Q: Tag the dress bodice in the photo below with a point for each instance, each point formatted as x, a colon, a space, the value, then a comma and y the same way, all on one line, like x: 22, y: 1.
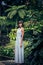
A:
x: 19, y: 33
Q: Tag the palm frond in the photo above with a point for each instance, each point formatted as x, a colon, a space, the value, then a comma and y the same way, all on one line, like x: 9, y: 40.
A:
x: 12, y: 8
x: 22, y: 13
x: 16, y: 9
x: 11, y: 14
x: 19, y: 7
x: 8, y: 10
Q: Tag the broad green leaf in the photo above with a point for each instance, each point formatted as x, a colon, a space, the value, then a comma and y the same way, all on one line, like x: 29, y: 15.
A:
x: 21, y: 13
x: 12, y: 13
x: 19, y: 7
x: 11, y: 9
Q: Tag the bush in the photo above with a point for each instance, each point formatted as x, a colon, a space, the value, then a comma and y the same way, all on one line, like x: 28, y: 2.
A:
x: 34, y: 49
x: 7, y: 52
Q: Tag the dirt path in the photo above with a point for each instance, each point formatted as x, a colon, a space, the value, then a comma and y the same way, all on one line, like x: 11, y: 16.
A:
x: 8, y: 62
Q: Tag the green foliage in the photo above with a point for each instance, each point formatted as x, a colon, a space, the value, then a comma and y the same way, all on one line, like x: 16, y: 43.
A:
x: 33, y: 27
x: 6, y: 52
x: 16, y: 11
x: 4, y: 39
x: 6, y: 22
x: 34, y: 48
x: 35, y: 15
x: 22, y: 13
x: 12, y: 34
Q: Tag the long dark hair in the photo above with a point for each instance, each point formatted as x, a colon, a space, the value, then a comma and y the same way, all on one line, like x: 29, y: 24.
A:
x: 21, y: 23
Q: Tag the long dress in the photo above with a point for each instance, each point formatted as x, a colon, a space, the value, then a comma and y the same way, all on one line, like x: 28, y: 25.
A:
x: 19, y: 51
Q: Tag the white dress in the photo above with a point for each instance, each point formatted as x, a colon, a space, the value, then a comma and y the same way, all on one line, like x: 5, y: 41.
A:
x: 19, y: 51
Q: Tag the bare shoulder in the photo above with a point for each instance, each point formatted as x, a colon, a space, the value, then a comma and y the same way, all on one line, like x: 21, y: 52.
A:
x: 22, y: 29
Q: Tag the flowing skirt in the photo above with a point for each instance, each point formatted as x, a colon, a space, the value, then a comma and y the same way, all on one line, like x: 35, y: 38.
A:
x: 19, y: 52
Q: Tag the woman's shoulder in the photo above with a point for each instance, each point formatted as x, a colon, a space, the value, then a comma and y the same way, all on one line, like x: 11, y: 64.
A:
x: 22, y: 29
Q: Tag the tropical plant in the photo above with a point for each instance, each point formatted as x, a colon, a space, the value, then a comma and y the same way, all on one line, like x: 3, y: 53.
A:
x: 34, y: 49
x: 12, y: 34
x: 16, y: 11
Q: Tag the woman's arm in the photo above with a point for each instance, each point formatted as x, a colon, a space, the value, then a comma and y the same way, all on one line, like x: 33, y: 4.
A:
x: 22, y: 30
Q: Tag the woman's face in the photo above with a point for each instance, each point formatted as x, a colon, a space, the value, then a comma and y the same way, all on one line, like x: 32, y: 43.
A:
x: 20, y: 24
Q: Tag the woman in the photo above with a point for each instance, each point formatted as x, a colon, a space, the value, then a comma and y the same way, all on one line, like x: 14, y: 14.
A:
x: 19, y: 45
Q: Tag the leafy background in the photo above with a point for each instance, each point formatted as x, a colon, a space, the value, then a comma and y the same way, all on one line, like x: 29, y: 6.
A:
x: 31, y: 12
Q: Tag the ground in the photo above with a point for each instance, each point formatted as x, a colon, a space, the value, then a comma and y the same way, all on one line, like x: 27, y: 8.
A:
x: 8, y: 62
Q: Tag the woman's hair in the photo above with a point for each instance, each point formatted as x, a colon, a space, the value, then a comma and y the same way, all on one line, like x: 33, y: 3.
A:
x: 20, y: 22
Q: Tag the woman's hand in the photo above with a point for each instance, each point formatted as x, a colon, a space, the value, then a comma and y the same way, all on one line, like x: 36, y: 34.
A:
x: 21, y: 44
